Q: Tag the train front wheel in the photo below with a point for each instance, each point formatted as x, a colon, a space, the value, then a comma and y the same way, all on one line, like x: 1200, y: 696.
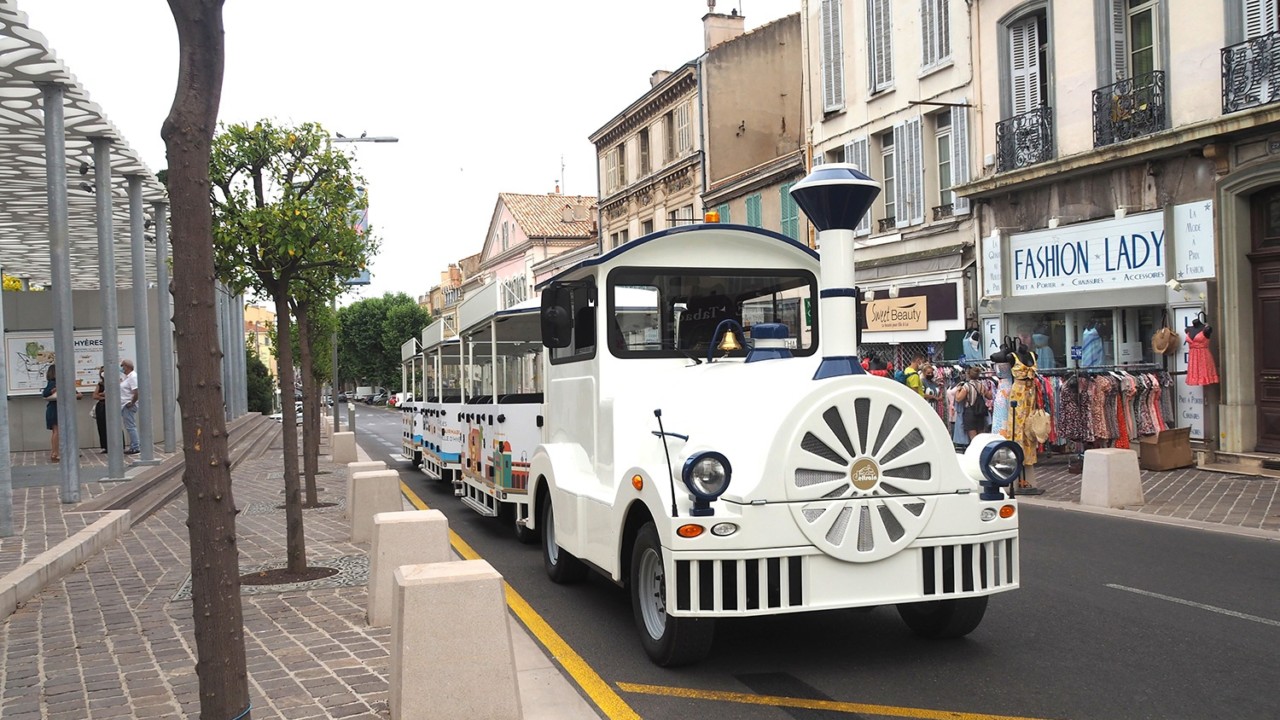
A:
x: 944, y: 618
x: 668, y: 640
x: 562, y: 567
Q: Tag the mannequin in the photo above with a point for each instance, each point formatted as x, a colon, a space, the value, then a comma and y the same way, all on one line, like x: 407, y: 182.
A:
x: 1045, y: 358
x: 971, y: 344
x: 1091, y: 341
x: 1201, y: 368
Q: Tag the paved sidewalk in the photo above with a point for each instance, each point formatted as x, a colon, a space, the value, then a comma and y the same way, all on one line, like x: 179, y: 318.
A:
x: 114, y: 638
x: 1245, y: 504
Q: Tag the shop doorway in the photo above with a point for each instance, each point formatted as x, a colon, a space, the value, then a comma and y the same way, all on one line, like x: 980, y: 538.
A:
x: 1265, y: 259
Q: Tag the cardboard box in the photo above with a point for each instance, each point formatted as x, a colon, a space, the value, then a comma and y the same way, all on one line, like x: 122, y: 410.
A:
x: 1166, y: 450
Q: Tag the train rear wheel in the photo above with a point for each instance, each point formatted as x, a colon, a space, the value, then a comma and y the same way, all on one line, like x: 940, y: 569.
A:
x: 944, y: 618
x: 668, y: 640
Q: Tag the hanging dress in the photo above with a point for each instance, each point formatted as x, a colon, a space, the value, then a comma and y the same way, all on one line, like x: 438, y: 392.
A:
x: 1091, y: 350
x: 1023, y: 391
x: 1201, y: 370
x: 1000, y: 405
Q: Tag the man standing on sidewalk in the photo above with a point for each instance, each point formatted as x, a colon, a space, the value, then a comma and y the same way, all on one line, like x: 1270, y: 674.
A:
x: 129, y: 404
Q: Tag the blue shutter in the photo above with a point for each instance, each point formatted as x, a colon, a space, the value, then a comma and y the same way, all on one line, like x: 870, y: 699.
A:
x: 723, y: 209
x: 753, y: 211
x: 790, y: 214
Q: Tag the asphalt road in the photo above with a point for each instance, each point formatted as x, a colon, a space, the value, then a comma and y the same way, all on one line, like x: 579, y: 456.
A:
x: 1115, y: 619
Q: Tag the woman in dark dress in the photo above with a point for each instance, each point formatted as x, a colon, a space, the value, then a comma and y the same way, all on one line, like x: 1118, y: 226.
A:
x: 50, y: 392
x: 100, y: 408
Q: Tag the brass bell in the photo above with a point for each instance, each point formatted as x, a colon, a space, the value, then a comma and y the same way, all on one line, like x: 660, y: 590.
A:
x: 729, y: 342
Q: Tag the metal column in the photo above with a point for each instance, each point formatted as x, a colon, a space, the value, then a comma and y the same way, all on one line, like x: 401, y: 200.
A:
x: 164, y: 325
x: 333, y: 394
x: 60, y: 260
x: 220, y: 313
x: 6, y: 468
x: 141, y: 323
x: 110, y: 308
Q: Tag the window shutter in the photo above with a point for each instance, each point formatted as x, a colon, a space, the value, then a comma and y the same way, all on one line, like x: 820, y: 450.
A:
x: 832, y: 56
x: 929, y: 32
x: 1024, y: 65
x: 901, y: 191
x: 723, y: 209
x: 858, y: 153
x: 960, y: 155
x: 914, y: 166
x: 879, y: 50
x: 753, y: 211
x: 1119, y: 43
x: 790, y: 213
x: 1259, y: 18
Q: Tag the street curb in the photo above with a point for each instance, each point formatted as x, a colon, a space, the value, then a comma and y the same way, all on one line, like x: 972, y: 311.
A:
x: 53, y: 564
x: 1256, y: 533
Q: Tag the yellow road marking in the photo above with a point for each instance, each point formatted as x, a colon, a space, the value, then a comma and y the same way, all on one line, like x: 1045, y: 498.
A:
x: 832, y: 705
x: 600, y: 692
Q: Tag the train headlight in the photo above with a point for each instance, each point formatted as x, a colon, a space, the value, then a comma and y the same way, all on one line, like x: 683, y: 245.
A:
x: 1001, y: 463
x: 707, y: 475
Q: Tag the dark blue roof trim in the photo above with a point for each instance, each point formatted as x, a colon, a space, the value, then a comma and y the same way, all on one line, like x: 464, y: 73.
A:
x: 627, y: 247
x: 837, y: 366
x: 838, y: 292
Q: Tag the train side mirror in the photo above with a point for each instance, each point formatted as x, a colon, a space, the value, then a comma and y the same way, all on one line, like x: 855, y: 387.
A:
x: 557, y: 322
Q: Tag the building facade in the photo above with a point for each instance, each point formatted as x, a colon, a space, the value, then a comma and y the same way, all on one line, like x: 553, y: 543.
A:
x: 1129, y: 179
x: 890, y: 90
x: 724, y: 132
x: 525, y: 230
x: 259, y: 326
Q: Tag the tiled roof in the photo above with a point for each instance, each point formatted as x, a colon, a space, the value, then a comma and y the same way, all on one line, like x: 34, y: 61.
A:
x: 540, y: 216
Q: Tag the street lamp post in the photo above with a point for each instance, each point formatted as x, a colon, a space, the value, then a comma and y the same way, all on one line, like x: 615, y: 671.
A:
x: 333, y: 392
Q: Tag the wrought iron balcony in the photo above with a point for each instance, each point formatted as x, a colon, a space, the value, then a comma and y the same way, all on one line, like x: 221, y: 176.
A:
x: 1251, y: 73
x: 1128, y: 109
x: 1024, y: 139
x: 888, y: 223
x: 942, y: 212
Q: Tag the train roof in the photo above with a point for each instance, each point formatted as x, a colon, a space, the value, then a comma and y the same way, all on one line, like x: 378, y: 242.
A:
x: 641, y: 247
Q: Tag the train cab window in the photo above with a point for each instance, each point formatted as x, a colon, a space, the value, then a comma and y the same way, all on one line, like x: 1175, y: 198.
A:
x: 674, y: 312
x: 577, y: 301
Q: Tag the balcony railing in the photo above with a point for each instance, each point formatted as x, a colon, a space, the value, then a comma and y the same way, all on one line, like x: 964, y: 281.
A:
x: 942, y: 212
x: 1251, y: 73
x: 1128, y: 109
x: 888, y: 223
x: 1024, y: 139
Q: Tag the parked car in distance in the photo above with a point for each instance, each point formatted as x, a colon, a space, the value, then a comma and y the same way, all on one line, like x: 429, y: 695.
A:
x: 378, y: 399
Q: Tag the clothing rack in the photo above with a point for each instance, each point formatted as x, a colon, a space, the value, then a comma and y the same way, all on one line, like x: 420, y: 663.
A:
x: 1132, y: 367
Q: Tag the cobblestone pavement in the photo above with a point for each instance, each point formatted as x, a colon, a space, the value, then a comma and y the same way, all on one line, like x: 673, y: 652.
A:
x: 109, y: 640
x: 1202, y: 496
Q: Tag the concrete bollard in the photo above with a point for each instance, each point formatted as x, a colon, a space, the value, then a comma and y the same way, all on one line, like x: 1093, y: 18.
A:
x: 352, y: 469
x: 344, y: 447
x: 451, y: 664
x: 1111, y: 478
x: 372, y: 493
x: 409, y: 537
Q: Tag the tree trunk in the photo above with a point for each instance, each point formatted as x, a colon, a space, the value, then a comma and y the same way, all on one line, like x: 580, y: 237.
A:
x: 211, y: 512
x: 296, y: 541
x: 311, y: 403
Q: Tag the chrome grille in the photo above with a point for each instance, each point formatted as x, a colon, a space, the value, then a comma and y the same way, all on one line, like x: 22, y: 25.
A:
x: 973, y: 567
x: 742, y: 586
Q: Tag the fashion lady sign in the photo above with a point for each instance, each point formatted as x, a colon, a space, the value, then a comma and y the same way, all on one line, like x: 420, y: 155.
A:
x: 1120, y: 252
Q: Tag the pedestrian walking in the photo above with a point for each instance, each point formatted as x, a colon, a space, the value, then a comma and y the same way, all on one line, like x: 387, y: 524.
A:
x: 129, y: 405
x: 100, y: 407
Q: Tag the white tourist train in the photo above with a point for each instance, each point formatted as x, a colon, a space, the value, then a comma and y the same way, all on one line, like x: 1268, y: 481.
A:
x: 695, y: 438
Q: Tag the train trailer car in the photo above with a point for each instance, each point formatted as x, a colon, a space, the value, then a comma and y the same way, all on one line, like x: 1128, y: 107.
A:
x: 502, y: 415
x: 410, y: 405
x: 707, y: 448
x: 442, y: 433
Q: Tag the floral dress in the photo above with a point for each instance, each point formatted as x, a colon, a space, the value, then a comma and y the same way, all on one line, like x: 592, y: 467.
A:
x: 1023, y: 392
x: 1000, y: 405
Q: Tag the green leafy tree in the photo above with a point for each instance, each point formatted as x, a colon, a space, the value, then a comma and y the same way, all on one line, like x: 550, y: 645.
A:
x: 211, y: 511
x: 261, y: 386
x: 284, y: 201
x: 371, y: 333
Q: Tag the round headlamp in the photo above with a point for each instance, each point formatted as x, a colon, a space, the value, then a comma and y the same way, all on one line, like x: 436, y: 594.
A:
x: 707, y: 475
x: 1001, y: 462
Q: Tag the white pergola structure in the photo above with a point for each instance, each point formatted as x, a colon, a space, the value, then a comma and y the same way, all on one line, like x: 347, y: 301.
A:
x: 73, y: 216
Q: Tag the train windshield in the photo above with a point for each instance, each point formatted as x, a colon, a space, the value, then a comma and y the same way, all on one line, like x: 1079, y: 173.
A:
x: 673, y: 312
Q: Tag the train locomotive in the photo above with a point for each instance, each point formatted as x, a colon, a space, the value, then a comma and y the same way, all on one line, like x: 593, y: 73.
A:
x: 700, y: 443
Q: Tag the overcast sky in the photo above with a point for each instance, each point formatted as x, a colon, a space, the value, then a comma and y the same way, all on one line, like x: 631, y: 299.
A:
x: 486, y: 97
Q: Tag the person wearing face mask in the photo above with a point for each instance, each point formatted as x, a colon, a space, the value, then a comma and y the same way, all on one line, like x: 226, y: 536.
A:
x: 129, y: 404
x: 100, y: 407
